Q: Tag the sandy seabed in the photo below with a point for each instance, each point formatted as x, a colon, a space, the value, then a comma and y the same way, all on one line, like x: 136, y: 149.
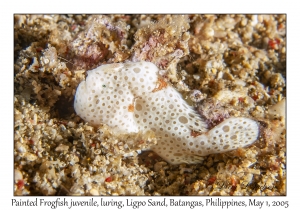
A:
x: 236, y: 62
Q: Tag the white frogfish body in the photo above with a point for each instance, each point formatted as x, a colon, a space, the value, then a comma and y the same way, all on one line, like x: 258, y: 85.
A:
x: 132, y: 97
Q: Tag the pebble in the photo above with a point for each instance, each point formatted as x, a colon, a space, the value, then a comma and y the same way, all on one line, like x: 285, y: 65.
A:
x: 18, y: 175
x: 94, y: 192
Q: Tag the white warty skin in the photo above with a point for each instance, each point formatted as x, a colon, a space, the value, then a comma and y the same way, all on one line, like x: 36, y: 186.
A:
x: 132, y: 97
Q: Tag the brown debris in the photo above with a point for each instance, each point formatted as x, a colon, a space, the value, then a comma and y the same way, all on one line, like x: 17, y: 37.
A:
x: 130, y: 108
x: 161, y: 85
